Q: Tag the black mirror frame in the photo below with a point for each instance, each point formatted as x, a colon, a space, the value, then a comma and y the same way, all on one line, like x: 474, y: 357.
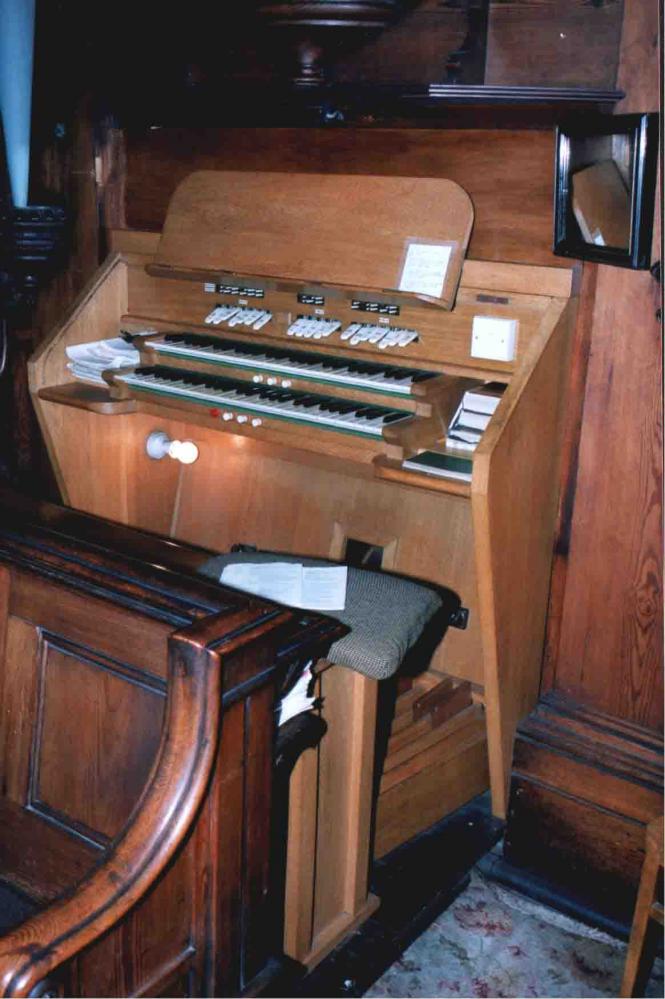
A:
x: 567, y: 239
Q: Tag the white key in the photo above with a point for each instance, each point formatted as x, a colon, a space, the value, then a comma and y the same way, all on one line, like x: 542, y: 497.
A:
x: 350, y: 331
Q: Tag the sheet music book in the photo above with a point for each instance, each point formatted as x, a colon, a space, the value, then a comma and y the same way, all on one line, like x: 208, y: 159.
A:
x: 310, y: 587
x: 88, y: 360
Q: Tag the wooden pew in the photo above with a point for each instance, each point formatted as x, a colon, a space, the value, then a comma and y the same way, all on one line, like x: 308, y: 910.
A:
x: 136, y: 762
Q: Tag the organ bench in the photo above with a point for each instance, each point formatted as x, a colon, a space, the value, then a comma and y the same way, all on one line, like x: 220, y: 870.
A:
x: 303, y: 448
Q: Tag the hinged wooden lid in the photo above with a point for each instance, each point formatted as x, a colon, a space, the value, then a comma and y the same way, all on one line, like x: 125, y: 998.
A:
x: 397, y: 235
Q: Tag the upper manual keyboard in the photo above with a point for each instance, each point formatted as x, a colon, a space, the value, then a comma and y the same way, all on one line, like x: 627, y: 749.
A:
x: 366, y: 375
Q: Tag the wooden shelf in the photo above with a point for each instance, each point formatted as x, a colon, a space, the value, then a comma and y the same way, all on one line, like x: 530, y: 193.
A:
x: 91, y: 397
x: 388, y: 468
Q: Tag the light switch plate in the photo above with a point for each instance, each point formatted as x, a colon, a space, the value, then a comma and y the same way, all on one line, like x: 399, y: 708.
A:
x: 494, y: 339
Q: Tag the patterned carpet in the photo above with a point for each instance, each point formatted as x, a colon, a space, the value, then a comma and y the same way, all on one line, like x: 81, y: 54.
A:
x: 493, y: 942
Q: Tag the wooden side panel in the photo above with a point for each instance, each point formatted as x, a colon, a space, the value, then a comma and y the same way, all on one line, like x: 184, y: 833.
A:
x: 152, y: 949
x: 93, y: 316
x: 514, y: 497
x: 92, y: 774
x: 413, y: 805
x: 20, y: 673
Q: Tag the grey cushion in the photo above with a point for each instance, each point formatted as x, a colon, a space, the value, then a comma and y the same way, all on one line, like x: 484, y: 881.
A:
x: 386, y: 614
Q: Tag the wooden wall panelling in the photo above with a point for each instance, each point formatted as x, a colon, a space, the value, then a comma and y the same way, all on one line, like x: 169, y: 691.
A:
x: 585, y: 798
x: 617, y: 598
x: 565, y: 43
x: 513, y: 496
x: 508, y: 174
x: 414, y: 49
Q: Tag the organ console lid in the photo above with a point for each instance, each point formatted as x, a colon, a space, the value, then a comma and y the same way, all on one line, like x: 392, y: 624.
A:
x: 401, y: 236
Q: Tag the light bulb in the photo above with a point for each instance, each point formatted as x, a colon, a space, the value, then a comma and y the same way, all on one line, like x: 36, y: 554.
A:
x: 186, y: 452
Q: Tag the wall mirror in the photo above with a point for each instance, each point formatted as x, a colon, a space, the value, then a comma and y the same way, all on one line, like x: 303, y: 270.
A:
x: 605, y: 183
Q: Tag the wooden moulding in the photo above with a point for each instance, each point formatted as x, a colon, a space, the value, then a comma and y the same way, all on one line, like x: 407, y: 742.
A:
x: 290, y: 225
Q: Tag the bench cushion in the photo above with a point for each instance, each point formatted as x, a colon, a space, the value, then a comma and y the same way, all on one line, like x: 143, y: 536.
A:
x: 386, y: 614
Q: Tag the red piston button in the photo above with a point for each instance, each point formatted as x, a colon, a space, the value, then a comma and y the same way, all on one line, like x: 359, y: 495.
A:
x: 215, y: 412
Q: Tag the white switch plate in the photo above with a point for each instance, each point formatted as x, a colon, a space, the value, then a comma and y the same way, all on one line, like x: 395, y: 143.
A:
x: 493, y: 338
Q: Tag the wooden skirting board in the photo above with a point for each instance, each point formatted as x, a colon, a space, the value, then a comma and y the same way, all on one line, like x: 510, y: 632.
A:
x: 585, y: 786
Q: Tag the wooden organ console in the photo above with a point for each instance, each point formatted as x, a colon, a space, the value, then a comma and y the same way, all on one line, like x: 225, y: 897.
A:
x: 310, y: 333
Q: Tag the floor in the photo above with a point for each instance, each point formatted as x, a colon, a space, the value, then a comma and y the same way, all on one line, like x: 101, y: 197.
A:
x: 446, y: 929
x: 494, y: 942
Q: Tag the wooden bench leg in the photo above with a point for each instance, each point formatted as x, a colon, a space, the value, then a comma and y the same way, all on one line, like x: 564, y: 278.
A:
x: 329, y: 822
x: 644, y: 931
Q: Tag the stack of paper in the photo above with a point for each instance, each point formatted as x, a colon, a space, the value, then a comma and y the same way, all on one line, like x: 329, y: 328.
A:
x: 472, y: 416
x: 88, y: 360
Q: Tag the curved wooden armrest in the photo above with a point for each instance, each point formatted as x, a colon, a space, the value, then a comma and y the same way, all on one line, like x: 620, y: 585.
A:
x: 154, y: 830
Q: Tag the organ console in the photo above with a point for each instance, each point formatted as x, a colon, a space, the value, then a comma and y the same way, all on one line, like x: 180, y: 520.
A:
x: 311, y: 334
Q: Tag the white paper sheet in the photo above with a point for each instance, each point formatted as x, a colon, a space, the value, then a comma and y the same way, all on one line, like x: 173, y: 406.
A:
x: 425, y: 268
x: 298, y: 699
x: 310, y: 587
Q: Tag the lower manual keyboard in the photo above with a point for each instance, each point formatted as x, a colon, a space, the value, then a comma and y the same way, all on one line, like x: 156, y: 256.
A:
x: 233, y: 394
